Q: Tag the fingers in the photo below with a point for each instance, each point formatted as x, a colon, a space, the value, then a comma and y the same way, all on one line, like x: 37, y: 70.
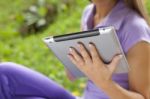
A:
x: 94, y: 53
x: 75, y: 57
x: 115, y: 62
x: 84, y: 53
x: 84, y: 57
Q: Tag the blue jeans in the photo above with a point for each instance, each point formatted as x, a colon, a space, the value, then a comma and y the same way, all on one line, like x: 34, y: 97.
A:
x: 19, y: 82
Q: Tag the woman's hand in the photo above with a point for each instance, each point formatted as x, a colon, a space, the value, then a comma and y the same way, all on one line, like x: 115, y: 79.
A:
x: 91, y: 64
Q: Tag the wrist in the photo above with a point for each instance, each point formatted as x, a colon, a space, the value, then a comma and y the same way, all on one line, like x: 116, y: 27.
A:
x: 106, y: 85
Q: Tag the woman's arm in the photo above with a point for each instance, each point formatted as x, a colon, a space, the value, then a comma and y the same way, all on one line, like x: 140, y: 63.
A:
x: 138, y: 58
x: 100, y: 73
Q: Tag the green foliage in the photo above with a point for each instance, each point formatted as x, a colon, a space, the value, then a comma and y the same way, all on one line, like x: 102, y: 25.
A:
x: 31, y: 51
x: 148, y: 6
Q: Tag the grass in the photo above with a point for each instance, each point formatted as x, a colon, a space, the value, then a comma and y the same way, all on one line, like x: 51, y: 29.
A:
x: 31, y: 51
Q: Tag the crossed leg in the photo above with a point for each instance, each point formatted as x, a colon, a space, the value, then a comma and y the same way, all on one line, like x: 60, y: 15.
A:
x: 19, y: 82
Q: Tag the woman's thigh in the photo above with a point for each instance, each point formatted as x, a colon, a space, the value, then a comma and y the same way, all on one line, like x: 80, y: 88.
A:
x: 17, y: 80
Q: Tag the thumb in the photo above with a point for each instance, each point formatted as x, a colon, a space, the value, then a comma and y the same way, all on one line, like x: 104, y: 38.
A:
x: 115, y: 62
x: 70, y: 76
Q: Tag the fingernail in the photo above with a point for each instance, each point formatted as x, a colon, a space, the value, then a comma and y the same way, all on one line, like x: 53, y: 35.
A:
x: 79, y: 45
x: 70, y: 49
x: 90, y: 45
x: 120, y: 56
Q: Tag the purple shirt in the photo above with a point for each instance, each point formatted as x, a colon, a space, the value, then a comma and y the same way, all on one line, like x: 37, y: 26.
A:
x: 131, y: 28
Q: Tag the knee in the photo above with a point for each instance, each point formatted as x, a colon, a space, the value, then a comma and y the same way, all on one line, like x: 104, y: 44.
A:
x: 7, y: 67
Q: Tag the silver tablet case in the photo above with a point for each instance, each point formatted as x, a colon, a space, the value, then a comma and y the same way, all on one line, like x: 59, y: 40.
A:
x: 106, y: 42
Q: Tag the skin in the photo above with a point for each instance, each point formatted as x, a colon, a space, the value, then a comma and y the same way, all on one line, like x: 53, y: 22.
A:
x: 91, y: 64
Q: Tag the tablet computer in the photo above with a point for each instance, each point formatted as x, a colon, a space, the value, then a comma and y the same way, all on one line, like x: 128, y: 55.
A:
x: 104, y: 38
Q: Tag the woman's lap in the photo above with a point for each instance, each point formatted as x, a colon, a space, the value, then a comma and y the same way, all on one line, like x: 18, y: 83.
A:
x: 18, y: 81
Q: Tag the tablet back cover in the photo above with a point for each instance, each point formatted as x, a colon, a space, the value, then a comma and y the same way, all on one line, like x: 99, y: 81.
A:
x: 106, y: 42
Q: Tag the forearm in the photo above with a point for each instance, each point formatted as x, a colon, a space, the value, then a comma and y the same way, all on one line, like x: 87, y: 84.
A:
x: 115, y: 91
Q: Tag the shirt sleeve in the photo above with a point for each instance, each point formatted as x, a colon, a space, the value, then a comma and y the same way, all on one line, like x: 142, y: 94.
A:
x: 135, y: 30
x: 84, y: 16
